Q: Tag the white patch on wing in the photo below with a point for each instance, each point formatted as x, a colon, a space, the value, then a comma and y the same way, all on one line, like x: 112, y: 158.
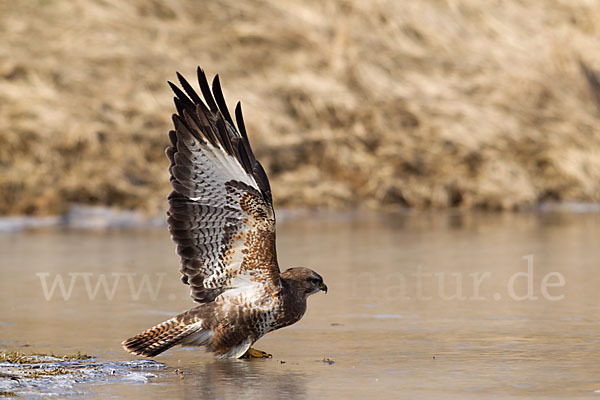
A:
x: 218, y: 157
x: 215, y: 167
x: 245, y: 292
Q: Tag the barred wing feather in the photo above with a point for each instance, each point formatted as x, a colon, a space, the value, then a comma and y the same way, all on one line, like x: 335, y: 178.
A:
x: 221, y: 213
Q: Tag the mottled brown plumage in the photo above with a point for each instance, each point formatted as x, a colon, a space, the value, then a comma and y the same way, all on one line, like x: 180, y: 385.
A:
x: 221, y: 218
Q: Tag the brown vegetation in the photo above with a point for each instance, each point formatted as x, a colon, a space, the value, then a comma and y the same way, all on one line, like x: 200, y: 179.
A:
x: 423, y: 103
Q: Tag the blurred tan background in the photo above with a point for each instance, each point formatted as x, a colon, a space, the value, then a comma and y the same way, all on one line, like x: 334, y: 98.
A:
x: 421, y: 103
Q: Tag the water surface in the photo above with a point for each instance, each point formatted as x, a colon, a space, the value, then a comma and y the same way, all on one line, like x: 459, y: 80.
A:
x: 419, y: 306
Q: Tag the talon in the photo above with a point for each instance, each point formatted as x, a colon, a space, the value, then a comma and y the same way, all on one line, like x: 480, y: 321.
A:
x: 253, y: 353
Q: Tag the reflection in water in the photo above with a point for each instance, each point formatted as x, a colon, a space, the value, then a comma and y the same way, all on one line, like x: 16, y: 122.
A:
x: 239, y: 379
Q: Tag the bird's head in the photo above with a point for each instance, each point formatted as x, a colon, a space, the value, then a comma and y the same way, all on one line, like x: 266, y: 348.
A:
x: 304, y: 280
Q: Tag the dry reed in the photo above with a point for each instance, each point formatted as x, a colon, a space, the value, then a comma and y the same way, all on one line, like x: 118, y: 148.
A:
x: 422, y: 103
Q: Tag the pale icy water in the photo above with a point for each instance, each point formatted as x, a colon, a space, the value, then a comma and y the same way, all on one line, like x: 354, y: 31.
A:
x: 421, y: 306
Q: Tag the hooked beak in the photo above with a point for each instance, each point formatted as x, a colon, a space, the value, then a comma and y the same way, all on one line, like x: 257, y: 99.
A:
x: 322, y: 287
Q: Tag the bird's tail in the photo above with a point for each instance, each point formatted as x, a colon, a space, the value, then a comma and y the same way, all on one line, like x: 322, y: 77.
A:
x: 182, y: 329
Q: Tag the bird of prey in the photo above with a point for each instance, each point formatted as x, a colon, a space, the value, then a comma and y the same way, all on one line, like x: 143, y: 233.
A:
x: 222, y: 220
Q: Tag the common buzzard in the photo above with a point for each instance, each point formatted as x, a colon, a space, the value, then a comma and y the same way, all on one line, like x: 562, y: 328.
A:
x: 221, y: 218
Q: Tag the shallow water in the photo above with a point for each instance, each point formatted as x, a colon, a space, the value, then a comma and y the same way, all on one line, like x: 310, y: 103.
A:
x: 419, y: 306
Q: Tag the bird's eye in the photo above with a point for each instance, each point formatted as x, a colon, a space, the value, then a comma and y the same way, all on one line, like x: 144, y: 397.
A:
x: 314, y: 281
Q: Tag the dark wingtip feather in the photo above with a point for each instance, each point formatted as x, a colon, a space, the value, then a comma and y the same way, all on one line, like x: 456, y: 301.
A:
x: 178, y: 105
x: 205, y: 89
x: 182, y: 101
x: 207, y: 118
x: 202, y: 112
x: 188, y: 89
x: 242, y: 155
x: 182, y: 96
x: 193, y: 125
x: 263, y: 181
x: 218, y: 92
x: 173, y: 138
x: 240, y: 119
x: 224, y: 135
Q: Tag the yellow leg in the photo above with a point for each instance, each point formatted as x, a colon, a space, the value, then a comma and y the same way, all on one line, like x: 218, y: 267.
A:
x: 253, y: 353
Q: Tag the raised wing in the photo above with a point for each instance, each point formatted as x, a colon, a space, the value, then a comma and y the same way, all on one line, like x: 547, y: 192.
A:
x: 221, y: 213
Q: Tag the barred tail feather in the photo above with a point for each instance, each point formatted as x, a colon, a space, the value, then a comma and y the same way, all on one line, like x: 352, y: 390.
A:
x: 163, y: 336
